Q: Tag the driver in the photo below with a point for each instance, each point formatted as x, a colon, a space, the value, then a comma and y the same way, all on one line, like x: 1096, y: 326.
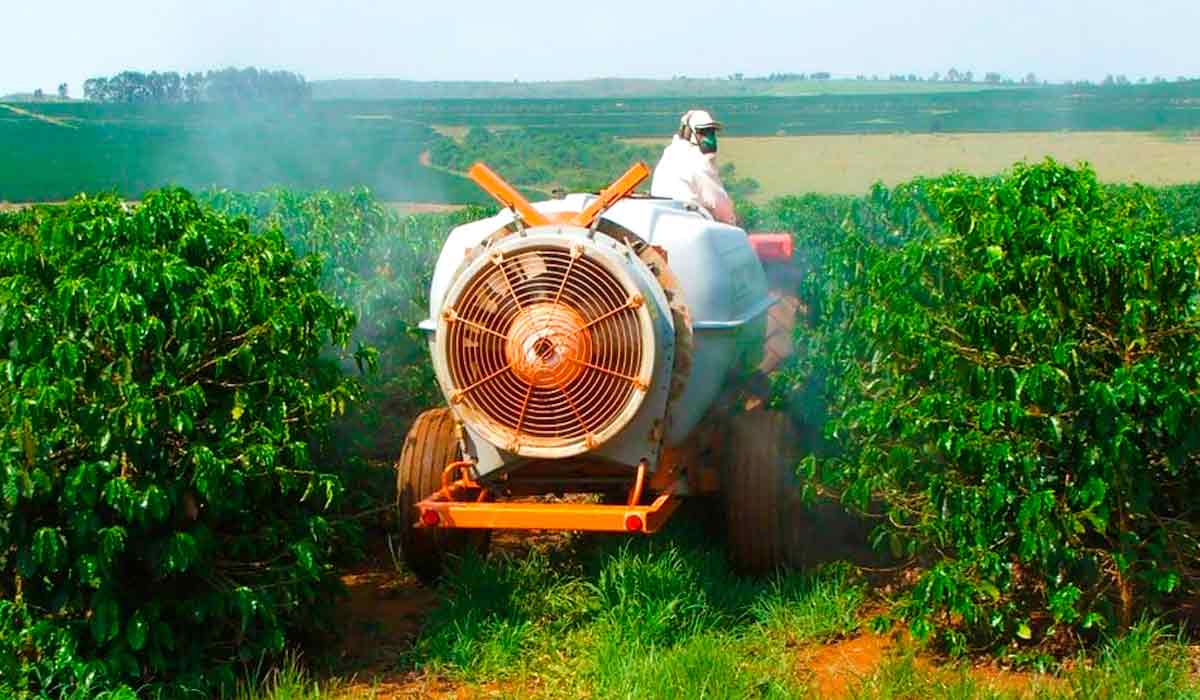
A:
x: 687, y: 170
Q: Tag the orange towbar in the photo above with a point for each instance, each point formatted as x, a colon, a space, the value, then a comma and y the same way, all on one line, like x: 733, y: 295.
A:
x: 443, y: 510
x: 548, y: 516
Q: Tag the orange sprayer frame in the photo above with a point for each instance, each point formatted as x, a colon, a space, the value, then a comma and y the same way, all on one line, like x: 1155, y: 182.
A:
x: 612, y: 194
x: 550, y: 516
x: 441, y: 509
x: 508, y: 195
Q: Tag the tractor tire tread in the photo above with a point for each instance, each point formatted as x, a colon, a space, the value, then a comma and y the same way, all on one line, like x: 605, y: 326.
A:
x: 429, y: 447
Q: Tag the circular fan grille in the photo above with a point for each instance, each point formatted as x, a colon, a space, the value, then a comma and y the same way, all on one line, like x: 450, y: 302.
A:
x: 545, y: 349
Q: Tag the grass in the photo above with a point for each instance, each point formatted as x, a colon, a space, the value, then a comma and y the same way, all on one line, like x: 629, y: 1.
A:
x: 289, y: 681
x: 1148, y: 662
x: 664, y: 618
x: 660, y: 617
x: 850, y: 164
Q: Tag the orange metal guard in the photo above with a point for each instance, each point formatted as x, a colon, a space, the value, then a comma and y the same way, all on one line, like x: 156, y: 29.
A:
x: 548, y: 516
x: 441, y: 510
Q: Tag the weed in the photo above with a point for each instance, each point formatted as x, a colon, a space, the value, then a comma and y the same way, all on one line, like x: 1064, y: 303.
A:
x: 641, y: 618
x: 709, y: 665
x: 653, y: 597
x: 810, y: 607
x: 288, y: 681
x: 491, y: 612
x: 1148, y: 662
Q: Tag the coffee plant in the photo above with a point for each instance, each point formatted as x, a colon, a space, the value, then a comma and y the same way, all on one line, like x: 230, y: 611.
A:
x: 1011, y: 370
x: 165, y: 396
x: 380, y: 265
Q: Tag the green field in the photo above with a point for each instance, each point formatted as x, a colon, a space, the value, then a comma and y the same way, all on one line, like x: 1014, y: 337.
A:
x: 49, y: 151
x: 621, y: 88
x: 845, y: 164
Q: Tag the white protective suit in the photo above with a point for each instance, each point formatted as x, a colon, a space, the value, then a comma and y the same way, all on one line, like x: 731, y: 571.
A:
x: 686, y: 174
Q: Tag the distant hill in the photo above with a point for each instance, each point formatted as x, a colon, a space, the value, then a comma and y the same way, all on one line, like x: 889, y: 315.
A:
x: 605, y: 88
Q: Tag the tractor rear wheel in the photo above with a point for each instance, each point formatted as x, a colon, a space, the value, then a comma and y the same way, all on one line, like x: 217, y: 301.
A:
x: 428, y: 448
x: 768, y: 525
x: 761, y: 492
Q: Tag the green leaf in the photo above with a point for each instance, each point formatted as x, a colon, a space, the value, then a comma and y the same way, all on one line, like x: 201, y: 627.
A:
x: 180, y: 552
x: 1166, y: 582
x: 48, y: 549
x: 136, y: 630
x: 1024, y: 632
x: 119, y: 496
x: 155, y: 504
x: 112, y: 544
x: 104, y: 622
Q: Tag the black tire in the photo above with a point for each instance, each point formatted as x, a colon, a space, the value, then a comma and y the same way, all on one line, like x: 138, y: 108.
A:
x: 759, y: 490
x: 428, y: 448
x: 768, y: 526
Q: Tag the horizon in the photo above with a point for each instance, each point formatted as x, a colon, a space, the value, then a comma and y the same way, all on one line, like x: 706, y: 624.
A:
x: 532, y: 41
x: 1008, y: 80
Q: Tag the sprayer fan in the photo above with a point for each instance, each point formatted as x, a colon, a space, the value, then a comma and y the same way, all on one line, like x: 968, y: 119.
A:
x: 549, y: 349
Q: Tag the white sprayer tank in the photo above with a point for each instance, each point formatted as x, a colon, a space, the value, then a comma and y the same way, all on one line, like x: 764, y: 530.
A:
x: 514, y: 283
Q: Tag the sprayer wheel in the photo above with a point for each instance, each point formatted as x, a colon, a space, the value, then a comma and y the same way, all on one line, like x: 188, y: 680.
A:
x: 428, y: 448
x: 761, y: 492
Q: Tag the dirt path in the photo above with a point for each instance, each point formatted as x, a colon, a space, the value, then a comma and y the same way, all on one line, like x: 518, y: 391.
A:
x: 381, y: 619
x: 407, y: 208
x: 404, y: 208
x: 836, y: 670
x: 40, y: 117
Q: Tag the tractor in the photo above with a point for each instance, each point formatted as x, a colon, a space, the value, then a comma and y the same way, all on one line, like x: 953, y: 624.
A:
x: 609, y: 344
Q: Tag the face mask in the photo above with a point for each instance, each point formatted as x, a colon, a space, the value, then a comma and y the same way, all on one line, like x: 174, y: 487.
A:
x: 708, y: 142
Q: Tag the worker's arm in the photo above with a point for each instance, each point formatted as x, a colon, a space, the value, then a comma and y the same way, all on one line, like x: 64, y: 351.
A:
x: 723, y: 209
x: 712, y: 194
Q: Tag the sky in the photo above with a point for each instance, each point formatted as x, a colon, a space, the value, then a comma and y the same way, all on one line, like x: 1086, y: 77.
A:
x: 47, y: 42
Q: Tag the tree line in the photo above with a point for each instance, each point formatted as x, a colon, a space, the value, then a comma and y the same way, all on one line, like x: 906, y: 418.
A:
x: 226, y: 85
x: 955, y: 76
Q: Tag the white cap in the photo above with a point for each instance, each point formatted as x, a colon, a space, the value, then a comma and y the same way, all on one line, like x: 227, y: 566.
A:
x: 697, y: 119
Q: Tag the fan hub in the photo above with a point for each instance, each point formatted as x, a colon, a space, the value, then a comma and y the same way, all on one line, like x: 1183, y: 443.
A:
x: 548, y: 345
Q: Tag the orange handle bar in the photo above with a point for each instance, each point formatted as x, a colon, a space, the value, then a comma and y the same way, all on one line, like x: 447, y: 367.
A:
x: 506, y: 194
x: 612, y: 194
